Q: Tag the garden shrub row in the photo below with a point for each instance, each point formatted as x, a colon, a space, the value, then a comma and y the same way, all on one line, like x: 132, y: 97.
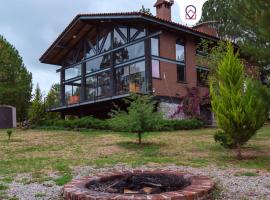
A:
x: 82, y: 123
x: 98, y: 124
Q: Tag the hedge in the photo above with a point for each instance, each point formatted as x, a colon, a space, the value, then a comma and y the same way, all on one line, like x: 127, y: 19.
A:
x: 82, y: 123
x: 94, y: 123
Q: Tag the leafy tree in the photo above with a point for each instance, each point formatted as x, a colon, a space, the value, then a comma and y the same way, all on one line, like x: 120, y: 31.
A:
x: 15, y: 80
x: 238, y: 101
x: 145, y: 10
x: 247, y: 23
x: 53, y: 100
x: 37, y: 109
x: 139, y: 117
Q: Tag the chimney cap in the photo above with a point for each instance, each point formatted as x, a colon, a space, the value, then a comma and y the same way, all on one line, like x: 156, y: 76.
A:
x: 160, y: 2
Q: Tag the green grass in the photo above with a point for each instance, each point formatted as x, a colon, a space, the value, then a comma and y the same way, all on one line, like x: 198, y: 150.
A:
x: 63, y: 180
x: 3, y: 187
x: 39, y: 195
x: 43, y: 151
x: 249, y: 174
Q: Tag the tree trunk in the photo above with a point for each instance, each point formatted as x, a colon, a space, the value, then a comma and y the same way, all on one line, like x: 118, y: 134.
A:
x: 239, y: 153
x: 140, y: 138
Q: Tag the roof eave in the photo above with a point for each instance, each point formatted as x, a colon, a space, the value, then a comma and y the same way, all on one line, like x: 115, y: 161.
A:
x: 145, y: 17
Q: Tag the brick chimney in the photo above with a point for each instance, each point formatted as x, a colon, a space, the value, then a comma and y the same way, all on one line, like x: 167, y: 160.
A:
x: 164, y: 9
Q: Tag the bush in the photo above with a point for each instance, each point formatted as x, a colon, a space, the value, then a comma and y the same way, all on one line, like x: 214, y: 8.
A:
x: 9, y: 133
x: 171, y: 125
x: 224, y: 140
x: 94, y: 123
x: 82, y: 123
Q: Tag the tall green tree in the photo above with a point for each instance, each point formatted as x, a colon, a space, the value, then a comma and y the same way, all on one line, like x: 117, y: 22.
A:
x: 139, y: 117
x: 15, y: 80
x: 53, y: 100
x: 239, y: 103
x: 246, y: 22
x: 37, y: 109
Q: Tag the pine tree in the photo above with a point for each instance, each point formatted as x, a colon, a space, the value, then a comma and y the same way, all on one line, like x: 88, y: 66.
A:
x: 238, y: 102
x: 139, y: 117
x: 15, y: 80
x: 37, y: 109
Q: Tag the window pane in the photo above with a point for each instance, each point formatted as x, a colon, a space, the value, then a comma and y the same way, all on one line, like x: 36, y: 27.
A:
x: 181, y: 73
x: 104, y: 89
x: 73, y: 91
x: 137, y: 77
x: 118, y: 40
x: 129, y: 53
x: 155, y: 69
x: 202, y: 77
x: 134, y: 31
x: 68, y: 92
x: 137, y: 67
x: 91, y: 88
x: 90, y: 53
x: 122, y: 80
x: 98, y: 63
x: 107, y: 45
x: 180, y: 52
x: 73, y: 72
x: 124, y: 31
x: 155, y: 46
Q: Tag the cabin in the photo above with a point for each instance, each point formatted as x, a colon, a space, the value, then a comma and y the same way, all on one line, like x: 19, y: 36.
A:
x: 105, y: 57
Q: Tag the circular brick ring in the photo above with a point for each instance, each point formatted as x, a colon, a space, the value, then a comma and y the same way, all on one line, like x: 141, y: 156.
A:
x: 199, y: 189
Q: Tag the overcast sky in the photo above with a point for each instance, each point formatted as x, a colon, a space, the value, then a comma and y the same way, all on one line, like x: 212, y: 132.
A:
x: 32, y: 25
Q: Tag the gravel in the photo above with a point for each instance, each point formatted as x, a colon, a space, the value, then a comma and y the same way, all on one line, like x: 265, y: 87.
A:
x: 232, y: 184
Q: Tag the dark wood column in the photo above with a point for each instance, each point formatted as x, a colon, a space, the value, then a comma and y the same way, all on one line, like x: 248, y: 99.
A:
x: 113, y: 76
x: 148, y: 66
x: 83, y: 83
x: 62, y: 87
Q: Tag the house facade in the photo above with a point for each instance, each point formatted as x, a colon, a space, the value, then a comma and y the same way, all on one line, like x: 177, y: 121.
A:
x: 107, y: 56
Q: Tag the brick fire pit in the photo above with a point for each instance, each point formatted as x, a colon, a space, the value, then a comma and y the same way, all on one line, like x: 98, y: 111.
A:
x: 199, y: 187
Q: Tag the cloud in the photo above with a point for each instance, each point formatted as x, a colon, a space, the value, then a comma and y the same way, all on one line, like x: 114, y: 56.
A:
x: 32, y: 25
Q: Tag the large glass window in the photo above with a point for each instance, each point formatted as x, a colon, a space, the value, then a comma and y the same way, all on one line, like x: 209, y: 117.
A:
x: 122, y: 80
x: 73, y: 91
x: 155, y: 46
x: 129, y: 53
x: 180, y: 52
x: 104, y: 87
x: 91, y: 88
x: 98, y: 63
x: 131, y: 78
x: 202, y: 76
x: 137, y: 77
x: 155, y: 69
x: 73, y: 72
x: 98, y: 86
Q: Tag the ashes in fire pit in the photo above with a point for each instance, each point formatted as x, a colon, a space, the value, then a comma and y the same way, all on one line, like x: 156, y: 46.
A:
x: 140, y: 183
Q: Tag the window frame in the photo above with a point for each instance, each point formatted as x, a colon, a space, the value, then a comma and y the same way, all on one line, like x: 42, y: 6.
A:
x: 180, y: 63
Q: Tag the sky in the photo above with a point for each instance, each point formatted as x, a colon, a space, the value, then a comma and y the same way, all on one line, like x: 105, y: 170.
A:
x: 32, y: 25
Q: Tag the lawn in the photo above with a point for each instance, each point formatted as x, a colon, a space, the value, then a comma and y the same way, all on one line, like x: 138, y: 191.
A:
x: 41, y: 152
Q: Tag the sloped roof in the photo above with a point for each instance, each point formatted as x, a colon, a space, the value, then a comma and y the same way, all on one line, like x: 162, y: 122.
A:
x: 77, y: 24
